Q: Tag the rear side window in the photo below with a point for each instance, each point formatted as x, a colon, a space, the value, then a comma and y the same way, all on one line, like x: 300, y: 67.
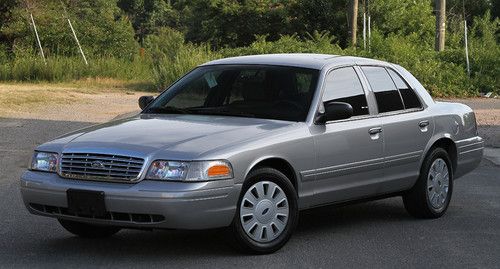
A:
x: 410, y: 98
x: 386, y: 94
x: 343, y: 85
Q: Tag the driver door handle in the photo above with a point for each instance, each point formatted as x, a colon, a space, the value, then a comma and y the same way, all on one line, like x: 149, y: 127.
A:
x: 423, y: 123
x: 375, y: 130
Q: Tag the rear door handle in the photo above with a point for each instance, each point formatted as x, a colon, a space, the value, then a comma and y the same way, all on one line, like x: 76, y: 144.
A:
x: 374, y: 131
x: 423, y: 124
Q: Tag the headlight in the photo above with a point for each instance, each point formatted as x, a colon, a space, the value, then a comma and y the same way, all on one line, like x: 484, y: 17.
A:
x: 189, y: 171
x: 44, y: 161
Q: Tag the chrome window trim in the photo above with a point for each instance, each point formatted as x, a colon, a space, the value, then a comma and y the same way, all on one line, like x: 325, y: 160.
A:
x: 380, y: 115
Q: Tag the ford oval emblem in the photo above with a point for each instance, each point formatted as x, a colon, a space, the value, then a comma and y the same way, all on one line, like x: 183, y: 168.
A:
x: 97, y: 164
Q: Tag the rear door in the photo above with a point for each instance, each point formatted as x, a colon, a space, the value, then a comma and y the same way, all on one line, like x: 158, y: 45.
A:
x: 349, y: 152
x: 407, y: 127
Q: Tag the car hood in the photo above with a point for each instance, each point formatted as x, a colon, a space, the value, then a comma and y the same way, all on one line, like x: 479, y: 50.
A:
x: 176, y: 136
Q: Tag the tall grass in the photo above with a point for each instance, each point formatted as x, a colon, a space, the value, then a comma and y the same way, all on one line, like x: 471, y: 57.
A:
x: 59, y: 69
x: 167, y: 70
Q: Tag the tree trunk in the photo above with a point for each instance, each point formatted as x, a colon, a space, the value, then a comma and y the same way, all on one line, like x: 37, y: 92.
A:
x: 440, y: 10
x: 354, y: 22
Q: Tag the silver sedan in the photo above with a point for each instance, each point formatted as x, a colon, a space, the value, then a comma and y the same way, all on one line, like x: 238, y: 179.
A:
x: 248, y: 142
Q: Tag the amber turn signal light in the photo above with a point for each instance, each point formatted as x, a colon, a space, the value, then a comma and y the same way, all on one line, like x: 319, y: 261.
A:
x: 219, y: 171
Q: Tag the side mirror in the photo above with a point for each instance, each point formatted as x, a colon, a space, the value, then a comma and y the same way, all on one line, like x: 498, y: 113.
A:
x: 144, y: 101
x: 335, y: 111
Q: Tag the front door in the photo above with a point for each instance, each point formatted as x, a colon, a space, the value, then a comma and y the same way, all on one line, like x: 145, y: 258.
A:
x: 349, y: 152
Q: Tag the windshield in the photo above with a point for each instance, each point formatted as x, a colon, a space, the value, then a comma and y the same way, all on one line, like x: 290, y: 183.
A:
x: 269, y: 92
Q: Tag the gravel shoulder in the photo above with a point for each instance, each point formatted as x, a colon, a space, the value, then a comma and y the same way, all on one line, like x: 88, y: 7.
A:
x: 94, y: 101
x: 487, y: 112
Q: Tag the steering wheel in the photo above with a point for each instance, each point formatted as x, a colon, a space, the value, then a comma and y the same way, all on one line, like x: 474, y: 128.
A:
x: 289, y: 103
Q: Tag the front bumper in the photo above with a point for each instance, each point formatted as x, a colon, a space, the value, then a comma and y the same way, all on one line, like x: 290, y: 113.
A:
x: 146, y: 204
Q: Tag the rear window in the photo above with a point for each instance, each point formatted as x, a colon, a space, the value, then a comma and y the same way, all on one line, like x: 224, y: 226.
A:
x: 386, y: 93
x: 409, y: 96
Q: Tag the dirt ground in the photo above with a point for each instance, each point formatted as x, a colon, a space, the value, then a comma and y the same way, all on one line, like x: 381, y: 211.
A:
x: 73, y: 102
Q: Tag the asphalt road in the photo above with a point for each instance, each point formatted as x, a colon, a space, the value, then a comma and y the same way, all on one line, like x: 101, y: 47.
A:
x: 376, y: 234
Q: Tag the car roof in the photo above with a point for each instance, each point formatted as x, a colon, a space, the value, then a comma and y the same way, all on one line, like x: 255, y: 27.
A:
x: 304, y: 60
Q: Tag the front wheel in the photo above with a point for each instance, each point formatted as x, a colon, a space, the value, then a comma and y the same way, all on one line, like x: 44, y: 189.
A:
x: 267, y: 212
x: 431, y: 195
x: 88, y: 230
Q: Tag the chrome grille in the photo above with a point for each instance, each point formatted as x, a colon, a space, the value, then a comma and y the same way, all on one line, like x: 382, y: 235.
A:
x: 102, y: 167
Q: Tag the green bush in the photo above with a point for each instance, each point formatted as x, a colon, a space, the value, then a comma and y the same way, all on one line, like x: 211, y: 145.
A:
x: 172, y: 57
x: 441, y: 78
x: 485, y: 53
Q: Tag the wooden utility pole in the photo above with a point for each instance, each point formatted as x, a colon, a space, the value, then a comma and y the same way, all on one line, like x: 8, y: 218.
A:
x: 440, y: 10
x: 354, y: 22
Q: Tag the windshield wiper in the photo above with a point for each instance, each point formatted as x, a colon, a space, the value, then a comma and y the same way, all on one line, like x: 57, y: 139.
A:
x: 199, y: 111
x: 167, y: 110
x: 220, y: 111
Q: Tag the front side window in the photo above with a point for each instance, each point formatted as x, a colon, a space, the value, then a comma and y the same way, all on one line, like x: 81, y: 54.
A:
x: 270, y: 92
x: 386, y: 94
x: 343, y: 85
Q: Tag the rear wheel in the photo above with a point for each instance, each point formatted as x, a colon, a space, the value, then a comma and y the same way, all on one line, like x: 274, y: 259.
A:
x: 267, y: 212
x: 88, y: 230
x: 431, y: 195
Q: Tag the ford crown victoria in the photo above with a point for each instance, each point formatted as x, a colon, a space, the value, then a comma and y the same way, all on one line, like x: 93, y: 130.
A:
x: 247, y: 142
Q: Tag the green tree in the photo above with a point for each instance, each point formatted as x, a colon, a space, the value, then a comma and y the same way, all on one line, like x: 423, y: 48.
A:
x: 404, y: 18
x: 98, y: 23
x: 321, y: 15
x: 233, y: 23
x: 148, y: 16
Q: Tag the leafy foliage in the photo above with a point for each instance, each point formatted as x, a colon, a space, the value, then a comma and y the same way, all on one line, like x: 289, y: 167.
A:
x: 99, y: 25
x: 172, y: 57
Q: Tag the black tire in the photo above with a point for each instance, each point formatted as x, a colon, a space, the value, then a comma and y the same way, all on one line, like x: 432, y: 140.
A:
x: 416, y: 200
x: 240, y: 237
x: 88, y: 230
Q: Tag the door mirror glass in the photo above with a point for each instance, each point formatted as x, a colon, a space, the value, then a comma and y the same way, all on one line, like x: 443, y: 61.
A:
x: 337, y: 111
x: 144, y: 101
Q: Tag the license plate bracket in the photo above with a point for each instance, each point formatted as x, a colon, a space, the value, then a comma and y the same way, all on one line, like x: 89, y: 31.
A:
x: 86, y: 203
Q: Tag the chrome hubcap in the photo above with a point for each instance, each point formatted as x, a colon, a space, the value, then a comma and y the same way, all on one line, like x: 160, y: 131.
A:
x: 264, y: 211
x: 437, y: 183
